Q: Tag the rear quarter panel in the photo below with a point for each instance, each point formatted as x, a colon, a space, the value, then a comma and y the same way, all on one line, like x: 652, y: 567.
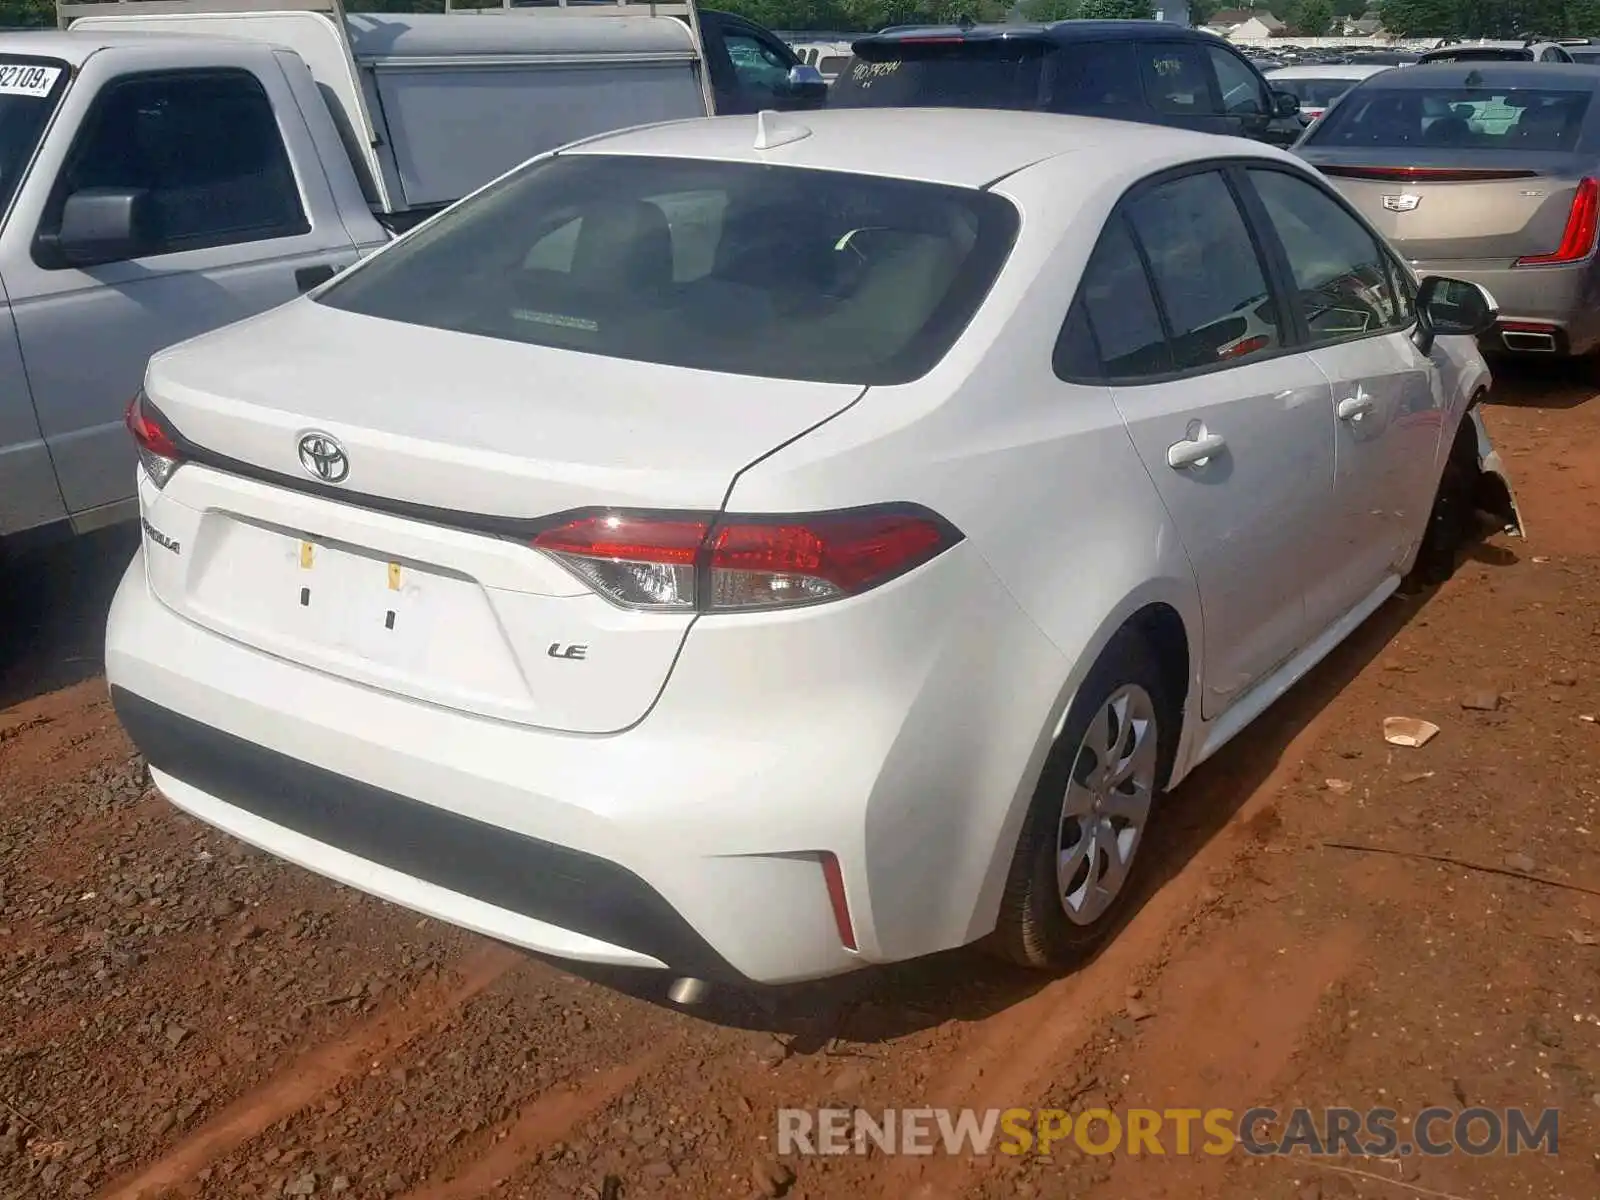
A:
x: 1042, y: 478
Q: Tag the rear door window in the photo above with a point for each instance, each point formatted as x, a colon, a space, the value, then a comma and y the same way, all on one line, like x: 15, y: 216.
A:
x: 982, y: 73
x: 1209, y: 279
x: 1243, y: 93
x: 1177, y: 78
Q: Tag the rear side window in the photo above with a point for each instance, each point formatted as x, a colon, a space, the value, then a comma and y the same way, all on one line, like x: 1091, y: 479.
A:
x: 1208, y: 277
x: 1176, y: 77
x: 1088, y: 76
x: 203, y: 144
x: 1537, y: 119
x: 733, y: 267
x: 1114, y: 331
x: 983, y: 73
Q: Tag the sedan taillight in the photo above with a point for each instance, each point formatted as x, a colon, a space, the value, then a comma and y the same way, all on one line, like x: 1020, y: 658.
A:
x: 711, y: 563
x: 1577, y: 240
x: 157, y: 443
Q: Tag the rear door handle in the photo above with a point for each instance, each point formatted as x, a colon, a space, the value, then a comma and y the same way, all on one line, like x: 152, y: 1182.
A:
x: 306, y: 278
x: 1353, y: 408
x: 1194, y: 452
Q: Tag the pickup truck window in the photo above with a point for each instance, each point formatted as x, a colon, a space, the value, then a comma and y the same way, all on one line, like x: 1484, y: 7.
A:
x: 30, y: 89
x: 203, y: 144
x: 739, y: 268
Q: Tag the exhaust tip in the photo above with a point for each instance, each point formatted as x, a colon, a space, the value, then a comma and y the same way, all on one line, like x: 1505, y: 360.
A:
x: 687, y: 991
x: 1528, y: 342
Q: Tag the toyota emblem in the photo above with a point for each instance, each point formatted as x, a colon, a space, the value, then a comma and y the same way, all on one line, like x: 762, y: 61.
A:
x: 323, y: 457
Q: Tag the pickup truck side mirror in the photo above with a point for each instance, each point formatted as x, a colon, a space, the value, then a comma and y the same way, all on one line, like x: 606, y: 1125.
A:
x: 806, y: 83
x: 103, y: 225
x: 1285, y: 104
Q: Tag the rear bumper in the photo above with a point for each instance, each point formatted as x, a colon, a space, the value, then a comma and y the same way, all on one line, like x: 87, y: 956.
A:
x: 693, y: 840
x: 1563, y: 299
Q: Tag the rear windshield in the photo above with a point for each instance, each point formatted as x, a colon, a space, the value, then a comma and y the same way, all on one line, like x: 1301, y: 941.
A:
x: 953, y: 73
x: 1464, y: 118
x: 832, y: 64
x: 1479, y: 54
x: 733, y: 267
x: 1313, y: 93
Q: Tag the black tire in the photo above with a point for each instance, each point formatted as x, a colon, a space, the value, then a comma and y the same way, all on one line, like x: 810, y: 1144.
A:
x: 1450, y: 519
x: 1033, y: 928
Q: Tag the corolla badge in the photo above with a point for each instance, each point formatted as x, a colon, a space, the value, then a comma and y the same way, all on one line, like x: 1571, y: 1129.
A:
x: 1404, y: 202
x: 323, y: 457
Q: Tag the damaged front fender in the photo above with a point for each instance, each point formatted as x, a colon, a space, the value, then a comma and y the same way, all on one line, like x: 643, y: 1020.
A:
x: 1491, y: 491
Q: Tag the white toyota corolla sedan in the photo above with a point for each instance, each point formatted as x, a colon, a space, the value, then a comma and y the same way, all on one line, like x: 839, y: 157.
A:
x: 763, y: 546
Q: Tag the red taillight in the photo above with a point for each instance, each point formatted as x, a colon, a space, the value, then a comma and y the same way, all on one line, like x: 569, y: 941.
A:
x: 158, y: 446
x: 743, y: 562
x: 1577, y: 240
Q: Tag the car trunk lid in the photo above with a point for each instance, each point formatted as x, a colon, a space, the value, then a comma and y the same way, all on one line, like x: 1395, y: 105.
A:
x: 411, y: 570
x: 1491, y: 208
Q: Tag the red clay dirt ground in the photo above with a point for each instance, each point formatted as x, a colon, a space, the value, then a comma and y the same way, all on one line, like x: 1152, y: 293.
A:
x: 180, y: 1016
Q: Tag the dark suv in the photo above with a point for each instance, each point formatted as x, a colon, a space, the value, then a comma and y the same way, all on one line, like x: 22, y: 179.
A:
x: 1148, y: 71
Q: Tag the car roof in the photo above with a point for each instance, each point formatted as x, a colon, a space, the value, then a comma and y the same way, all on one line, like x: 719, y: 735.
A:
x: 963, y: 147
x: 1055, y: 31
x: 1495, y: 74
x: 1330, y: 71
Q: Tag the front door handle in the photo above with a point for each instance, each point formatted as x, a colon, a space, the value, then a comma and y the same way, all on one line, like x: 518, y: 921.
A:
x: 1194, y: 452
x: 307, y: 278
x: 1353, y: 408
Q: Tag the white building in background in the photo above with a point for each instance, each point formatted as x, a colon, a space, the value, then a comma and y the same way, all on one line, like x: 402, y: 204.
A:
x: 1174, y: 12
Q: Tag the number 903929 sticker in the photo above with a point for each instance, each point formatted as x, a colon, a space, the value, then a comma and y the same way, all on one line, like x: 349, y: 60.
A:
x: 17, y: 80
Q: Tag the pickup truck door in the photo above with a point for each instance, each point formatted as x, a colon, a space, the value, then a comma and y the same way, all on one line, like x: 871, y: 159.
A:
x: 749, y: 66
x: 242, y: 218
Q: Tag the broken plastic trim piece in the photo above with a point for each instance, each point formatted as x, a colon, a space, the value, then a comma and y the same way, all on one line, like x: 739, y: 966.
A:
x: 770, y: 135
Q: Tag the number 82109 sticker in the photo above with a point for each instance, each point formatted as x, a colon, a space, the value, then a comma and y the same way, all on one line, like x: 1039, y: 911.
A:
x: 17, y: 80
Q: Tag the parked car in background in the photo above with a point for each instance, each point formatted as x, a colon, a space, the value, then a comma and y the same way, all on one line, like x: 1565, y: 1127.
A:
x: 1148, y: 71
x: 829, y: 58
x: 1491, y: 51
x: 168, y: 168
x: 752, y: 548
x: 1317, y: 87
x: 1485, y: 171
x: 1583, y: 50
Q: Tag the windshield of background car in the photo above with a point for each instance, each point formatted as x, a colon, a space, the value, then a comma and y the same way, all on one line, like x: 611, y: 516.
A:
x: 950, y: 72
x: 741, y: 268
x: 30, y: 89
x: 1313, y: 93
x: 1587, y: 57
x: 1456, y: 118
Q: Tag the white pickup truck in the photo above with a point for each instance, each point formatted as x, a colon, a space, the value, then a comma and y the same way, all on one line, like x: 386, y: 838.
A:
x: 171, y: 166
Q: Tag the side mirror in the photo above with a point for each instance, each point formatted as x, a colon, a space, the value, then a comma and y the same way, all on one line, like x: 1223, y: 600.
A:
x: 1285, y: 104
x: 806, y: 83
x: 103, y: 225
x: 1453, y: 308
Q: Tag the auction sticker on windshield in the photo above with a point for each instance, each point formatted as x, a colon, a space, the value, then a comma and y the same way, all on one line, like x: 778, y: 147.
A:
x: 18, y: 80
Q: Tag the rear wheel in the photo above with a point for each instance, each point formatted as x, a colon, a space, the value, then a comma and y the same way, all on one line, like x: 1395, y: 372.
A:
x: 1079, y: 846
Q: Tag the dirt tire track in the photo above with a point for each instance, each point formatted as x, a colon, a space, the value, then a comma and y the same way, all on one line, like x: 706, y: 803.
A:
x: 316, y: 1072
x: 540, y: 1122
